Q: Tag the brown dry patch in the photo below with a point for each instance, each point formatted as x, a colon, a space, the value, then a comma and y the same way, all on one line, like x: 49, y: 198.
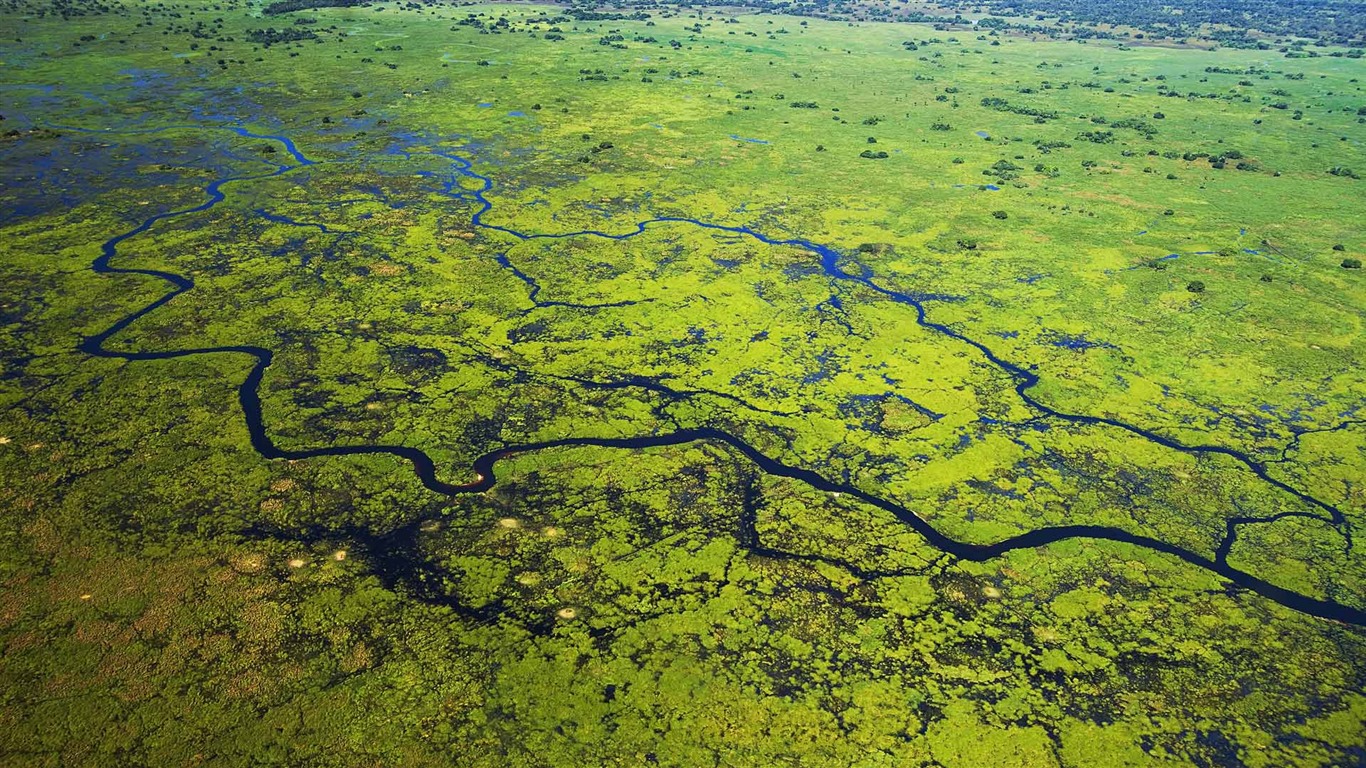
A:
x: 216, y: 646
x: 157, y: 617
x: 111, y: 577
x: 47, y: 540
x: 358, y: 658
x: 101, y: 633
x: 24, y: 641
x: 258, y: 590
x: 65, y: 686
x: 132, y: 674
x: 393, y: 217
x: 263, y: 623
x: 248, y: 562
x: 386, y: 269
x: 251, y: 683
x: 14, y: 597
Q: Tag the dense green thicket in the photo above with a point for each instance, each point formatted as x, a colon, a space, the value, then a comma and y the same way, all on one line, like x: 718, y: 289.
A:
x: 1237, y: 23
x: 1334, y: 21
x: 289, y: 6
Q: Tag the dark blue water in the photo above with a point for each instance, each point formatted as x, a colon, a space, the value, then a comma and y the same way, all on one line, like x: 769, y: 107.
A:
x: 831, y: 264
x: 1078, y: 342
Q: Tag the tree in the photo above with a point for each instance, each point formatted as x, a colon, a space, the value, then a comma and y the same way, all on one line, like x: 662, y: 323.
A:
x: 1195, y: 286
x: 1351, y: 263
x: 1000, y: 214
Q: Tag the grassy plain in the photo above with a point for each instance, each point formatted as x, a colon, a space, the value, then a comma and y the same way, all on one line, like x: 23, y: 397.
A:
x: 173, y: 598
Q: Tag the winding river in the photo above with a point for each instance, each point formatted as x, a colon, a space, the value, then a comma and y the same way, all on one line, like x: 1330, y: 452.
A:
x: 484, y: 467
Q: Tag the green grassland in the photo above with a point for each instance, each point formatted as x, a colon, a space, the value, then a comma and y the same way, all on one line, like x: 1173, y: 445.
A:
x: 172, y: 597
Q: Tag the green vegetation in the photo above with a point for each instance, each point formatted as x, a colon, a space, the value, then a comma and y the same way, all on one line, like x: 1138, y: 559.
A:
x: 571, y: 234
x: 1304, y: 27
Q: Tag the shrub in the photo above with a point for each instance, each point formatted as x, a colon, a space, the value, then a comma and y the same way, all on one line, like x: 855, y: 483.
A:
x: 1195, y: 286
x: 1351, y: 263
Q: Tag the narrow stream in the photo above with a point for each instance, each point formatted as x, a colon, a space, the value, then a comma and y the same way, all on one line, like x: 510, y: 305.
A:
x: 484, y: 466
